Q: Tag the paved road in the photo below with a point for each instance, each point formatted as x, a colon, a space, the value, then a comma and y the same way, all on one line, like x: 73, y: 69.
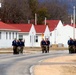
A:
x: 20, y: 64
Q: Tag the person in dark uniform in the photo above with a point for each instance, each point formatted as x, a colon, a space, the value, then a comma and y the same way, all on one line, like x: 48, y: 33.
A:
x: 47, y: 45
x: 14, y: 44
x: 22, y: 45
x: 18, y: 46
x: 74, y: 46
x: 70, y: 44
x: 43, y: 46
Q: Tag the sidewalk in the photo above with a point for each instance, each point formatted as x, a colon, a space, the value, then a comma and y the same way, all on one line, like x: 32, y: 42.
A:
x: 65, y: 65
x: 28, y: 49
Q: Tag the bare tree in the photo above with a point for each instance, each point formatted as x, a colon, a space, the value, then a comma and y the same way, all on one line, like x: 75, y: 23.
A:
x: 20, y: 11
x: 56, y: 11
x: 15, y: 11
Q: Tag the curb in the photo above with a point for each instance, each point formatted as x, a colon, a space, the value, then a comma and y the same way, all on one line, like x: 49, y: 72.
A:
x: 32, y: 70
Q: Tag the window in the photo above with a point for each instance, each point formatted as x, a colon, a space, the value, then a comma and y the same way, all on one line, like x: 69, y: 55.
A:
x: 0, y: 35
x: 50, y: 34
x: 36, y: 38
x: 6, y: 35
x: 9, y: 35
x: 16, y: 35
x: 30, y: 38
x: 13, y: 35
x: 20, y: 36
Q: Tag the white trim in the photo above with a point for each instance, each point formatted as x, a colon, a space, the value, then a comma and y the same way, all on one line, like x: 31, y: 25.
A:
x: 23, y: 32
x: 38, y: 33
x: 10, y: 29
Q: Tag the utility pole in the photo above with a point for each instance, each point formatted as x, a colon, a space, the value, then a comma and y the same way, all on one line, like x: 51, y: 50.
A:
x: 74, y: 23
x: 71, y: 20
x: 0, y: 3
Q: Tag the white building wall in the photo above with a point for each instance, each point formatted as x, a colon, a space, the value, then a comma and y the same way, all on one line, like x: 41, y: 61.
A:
x: 37, y: 44
x: 59, y: 25
x: 62, y: 35
x: 6, y: 43
x: 47, y: 33
x: 32, y: 35
x: 55, y: 37
x: 29, y: 37
x: 26, y: 37
x: 52, y: 37
x: 32, y: 30
x: 65, y: 34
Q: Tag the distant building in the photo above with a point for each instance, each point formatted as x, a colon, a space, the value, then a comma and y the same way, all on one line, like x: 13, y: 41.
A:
x: 27, y: 33
x: 42, y: 31
x: 32, y: 34
x: 55, y: 31
x: 64, y: 34
x: 7, y: 35
x: 54, y: 26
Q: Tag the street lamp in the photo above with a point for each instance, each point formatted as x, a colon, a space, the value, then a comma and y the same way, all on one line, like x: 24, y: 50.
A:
x: 74, y: 23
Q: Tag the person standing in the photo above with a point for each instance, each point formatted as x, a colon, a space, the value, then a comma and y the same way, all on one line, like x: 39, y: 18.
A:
x: 14, y: 44
x: 70, y: 44
x: 18, y: 46
x: 74, y: 46
x: 47, y: 45
x: 43, y: 46
x: 22, y: 45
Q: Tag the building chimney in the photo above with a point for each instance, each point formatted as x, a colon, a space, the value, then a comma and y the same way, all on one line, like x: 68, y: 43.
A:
x: 45, y: 20
x: 28, y: 21
x: 35, y: 19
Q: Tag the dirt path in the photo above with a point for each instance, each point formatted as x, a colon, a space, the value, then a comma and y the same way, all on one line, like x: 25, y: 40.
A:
x: 65, y: 65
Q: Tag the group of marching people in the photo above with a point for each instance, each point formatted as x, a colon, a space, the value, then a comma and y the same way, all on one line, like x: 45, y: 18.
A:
x: 72, y: 45
x: 18, y: 46
x: 45, y: 45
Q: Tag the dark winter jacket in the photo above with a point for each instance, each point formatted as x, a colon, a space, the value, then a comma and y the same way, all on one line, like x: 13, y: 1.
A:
x: 70, y: 42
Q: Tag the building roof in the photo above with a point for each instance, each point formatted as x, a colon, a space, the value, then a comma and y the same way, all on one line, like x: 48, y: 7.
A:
x: 52, y: 24
x: 4, y: 26
x: 70, y: 25
x: 23, y: 27
x: 40, y: 28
